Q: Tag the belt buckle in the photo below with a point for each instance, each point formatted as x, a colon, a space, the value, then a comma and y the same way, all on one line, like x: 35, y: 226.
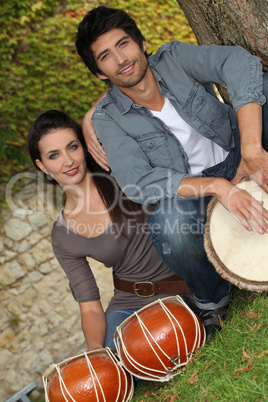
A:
x: 136, y: 290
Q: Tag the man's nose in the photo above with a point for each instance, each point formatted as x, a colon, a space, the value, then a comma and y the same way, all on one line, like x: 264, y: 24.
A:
x: 121, y: 57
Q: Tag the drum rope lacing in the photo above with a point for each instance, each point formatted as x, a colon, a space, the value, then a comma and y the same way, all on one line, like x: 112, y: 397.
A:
x: 169, y: 371
x: 94, y: 378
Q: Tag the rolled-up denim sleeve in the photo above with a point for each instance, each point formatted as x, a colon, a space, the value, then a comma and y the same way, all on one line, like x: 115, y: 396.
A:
x: 130, y: 166
x: 232, y: 66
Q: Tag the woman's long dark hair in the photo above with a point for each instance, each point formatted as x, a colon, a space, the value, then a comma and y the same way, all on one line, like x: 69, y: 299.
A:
x: 117, y: 204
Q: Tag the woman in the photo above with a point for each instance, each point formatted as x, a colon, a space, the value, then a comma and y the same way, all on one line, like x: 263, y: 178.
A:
x: 97, y: 221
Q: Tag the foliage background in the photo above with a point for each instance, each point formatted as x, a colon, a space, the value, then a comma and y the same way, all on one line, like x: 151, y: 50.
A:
x: 41, y: 70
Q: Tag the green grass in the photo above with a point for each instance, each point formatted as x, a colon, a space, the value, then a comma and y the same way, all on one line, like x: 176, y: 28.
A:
x: 232, y: 367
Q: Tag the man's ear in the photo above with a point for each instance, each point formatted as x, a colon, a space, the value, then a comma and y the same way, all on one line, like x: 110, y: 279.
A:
x: 102, y: 76
x: 144, y: 46
x: 41, y: 166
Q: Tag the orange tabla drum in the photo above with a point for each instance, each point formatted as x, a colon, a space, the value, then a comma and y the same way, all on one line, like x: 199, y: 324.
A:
x: 154, y: 342
x: 89, y: 377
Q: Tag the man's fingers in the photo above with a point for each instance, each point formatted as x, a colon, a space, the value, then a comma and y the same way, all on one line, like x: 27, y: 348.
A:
x: 100, y: 158
x: 257, y: 221
x: 98, y: 154
x: 249, y: 212
x: 238, y: 177
x: 255, y: 217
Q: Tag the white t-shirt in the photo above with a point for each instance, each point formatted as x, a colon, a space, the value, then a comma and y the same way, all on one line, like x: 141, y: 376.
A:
x: 201, y: 152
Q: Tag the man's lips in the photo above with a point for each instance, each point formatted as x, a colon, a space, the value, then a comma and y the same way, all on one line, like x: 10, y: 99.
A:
x: 128, y: 69
x: 72, y: 172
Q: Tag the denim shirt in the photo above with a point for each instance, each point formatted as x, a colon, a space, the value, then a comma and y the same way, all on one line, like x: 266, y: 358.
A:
x: 145, y: 157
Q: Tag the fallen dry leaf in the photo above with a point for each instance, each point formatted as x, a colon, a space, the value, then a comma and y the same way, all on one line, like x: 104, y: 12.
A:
x: 239, y: 369
x: 220, y: 320
x: 264, y: 352
x: 171, y: 398
x: 251, y: 314
x: 252, y: 297
x: 246, y: 356
x: 194, y: 378
x: 246, y: 368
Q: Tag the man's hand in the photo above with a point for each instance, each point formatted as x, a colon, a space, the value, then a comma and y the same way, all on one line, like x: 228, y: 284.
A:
x: 254, y: 161
x: 239, y: 202
x: 255, y: 167
x: 93, y: 145
x: 245, y: 208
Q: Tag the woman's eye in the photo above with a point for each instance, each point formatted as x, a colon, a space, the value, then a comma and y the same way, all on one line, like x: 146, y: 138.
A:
x: 53, y: 156
x: 73, y: 147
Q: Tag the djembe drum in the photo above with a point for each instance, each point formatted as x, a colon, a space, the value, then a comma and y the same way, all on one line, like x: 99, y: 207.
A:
x: 89, y: 377
x: 159, y: 338
x: 238, y: 255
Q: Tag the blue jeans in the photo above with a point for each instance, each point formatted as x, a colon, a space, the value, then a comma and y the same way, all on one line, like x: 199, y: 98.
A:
x: 177, y: 227
x: 113, y: 320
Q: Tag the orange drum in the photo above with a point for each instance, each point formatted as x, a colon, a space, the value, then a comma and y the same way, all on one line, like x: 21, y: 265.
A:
x: 159, y: 338
x: 92, y: 376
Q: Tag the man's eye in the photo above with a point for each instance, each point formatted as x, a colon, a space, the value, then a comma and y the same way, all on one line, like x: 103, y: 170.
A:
x: 125, y: 42
x: 104, y: 56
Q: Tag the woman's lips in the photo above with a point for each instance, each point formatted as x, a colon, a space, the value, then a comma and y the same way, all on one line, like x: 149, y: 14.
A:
x: 72, y: 172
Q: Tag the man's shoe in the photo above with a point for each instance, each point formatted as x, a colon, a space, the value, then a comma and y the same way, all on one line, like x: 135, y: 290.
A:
x: 212, y: 320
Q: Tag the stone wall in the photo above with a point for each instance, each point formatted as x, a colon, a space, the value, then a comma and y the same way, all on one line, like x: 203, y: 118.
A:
x: 39, y: 319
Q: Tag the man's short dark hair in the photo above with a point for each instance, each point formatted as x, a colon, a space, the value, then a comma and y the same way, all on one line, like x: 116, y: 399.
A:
x: 98, y: 21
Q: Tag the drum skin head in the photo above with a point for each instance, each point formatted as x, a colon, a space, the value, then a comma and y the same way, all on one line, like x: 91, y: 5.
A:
x: 154, y: 343
x: 84, y: 386
x: 238, y: 255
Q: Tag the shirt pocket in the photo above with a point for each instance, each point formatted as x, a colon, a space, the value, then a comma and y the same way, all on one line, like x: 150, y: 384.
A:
x: 155, y: 147
x: 207, y: 108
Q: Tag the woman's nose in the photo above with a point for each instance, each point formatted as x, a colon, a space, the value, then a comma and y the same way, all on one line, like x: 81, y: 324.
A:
x: 68, y: 160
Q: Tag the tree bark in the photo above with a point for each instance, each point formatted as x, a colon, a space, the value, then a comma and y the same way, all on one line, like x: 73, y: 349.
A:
x: 230, y: 22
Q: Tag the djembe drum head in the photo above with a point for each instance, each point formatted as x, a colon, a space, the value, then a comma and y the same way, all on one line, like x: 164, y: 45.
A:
x: 92, y: 376
x: 159, y: 338
x: 238, y: 255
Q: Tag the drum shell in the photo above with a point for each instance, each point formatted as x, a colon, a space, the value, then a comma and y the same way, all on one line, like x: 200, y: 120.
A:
x: 174, y: 333
x: 100, y: 384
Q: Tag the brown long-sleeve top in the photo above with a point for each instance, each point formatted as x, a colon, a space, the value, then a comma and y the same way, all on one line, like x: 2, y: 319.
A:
x: 133, y: 259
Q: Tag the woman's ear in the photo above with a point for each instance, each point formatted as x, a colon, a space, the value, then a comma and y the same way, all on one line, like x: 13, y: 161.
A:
x: 41, y: 166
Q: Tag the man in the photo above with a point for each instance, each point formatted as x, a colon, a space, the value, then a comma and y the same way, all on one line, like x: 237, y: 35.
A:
x: 170, y: 142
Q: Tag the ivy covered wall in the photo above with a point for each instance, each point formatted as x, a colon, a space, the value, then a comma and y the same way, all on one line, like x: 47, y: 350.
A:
x: 40, y: 68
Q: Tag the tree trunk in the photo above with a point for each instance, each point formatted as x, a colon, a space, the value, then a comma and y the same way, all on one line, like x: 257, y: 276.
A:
x: 230, y: 22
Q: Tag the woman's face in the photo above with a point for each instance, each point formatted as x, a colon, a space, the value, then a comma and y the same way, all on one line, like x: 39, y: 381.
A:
x: 62, y: 156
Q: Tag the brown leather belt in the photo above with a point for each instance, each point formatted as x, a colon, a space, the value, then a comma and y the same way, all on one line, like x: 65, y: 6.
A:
x: 172, y: 285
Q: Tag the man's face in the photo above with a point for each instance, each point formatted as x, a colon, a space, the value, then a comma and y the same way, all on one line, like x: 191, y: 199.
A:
x: 120, y: 58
